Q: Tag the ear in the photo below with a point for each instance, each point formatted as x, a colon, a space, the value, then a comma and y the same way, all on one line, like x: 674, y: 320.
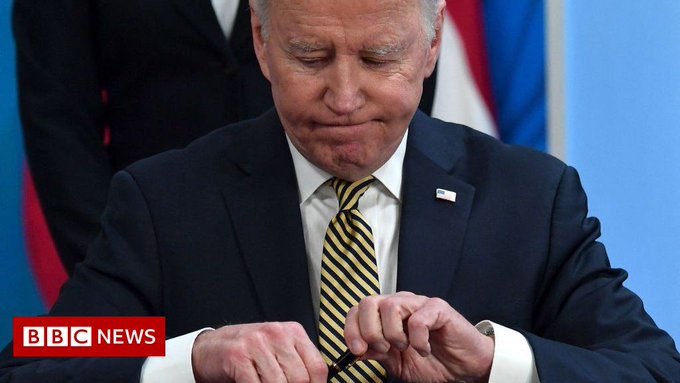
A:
x: 259, y: 43
x: 435, y: 45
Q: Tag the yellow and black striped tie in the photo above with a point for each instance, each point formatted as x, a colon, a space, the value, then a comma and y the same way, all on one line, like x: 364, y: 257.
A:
x: 348, y: 274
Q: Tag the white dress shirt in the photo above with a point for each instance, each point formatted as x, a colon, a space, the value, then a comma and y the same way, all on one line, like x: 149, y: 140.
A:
x: 226, y: 10
x: 380, y: 205
x: 513, y: 359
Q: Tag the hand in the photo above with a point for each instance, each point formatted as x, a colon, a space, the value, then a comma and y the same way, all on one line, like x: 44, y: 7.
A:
x: 418, y: 339
x: 258, y: 352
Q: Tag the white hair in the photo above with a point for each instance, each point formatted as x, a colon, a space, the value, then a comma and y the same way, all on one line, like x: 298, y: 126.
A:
x: 429, y: 12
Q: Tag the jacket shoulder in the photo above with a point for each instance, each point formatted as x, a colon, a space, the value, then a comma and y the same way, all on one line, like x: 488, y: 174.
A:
x: 475, y: 155
x: 219, y: 152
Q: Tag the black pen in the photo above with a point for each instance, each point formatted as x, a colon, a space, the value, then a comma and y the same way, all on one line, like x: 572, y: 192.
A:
x: 345, y: 360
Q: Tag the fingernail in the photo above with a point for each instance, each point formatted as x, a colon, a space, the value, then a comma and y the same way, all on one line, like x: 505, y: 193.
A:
x: 356, y: 346
x: 401, y: 346
x: 425, y: 352
x: 382, y: 347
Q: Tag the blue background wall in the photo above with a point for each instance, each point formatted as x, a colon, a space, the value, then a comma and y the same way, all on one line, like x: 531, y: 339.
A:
x: 623, y: 135
x: 18, y: 292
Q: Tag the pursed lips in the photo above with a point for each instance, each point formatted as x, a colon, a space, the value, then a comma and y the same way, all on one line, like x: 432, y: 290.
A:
x: 342, y: 124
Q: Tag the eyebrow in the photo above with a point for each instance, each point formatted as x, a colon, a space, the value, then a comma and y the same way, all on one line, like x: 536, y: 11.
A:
x: 386, y: 49
x: 299, y: 46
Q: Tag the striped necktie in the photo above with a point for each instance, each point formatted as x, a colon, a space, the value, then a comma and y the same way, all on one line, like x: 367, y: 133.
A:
x: 348, y: 274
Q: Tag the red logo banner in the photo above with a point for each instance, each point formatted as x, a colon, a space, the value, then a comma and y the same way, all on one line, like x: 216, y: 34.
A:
x: 67, y: 337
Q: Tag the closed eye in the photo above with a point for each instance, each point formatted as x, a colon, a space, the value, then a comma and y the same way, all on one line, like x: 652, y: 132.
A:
x: 375, y: 62
x: 312, y: 62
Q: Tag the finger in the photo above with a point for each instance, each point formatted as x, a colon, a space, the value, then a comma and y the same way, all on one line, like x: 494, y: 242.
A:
x: 370, y: 324
x: 393, y: 312
x: 246, y: 372
x: 297, y: 355
x: 353, y: 338
x: 313, y: 363
x: 430, y: 317
x: 263, y: 346
x: 268, y: 367
x: 293, y: 366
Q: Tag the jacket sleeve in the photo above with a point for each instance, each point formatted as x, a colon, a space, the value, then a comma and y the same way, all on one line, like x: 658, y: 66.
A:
x: 588, y: 327
x: 62, y: 117
x: 120, y: 277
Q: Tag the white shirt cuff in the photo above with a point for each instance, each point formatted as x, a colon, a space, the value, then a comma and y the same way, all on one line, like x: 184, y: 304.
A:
x: 175, y: 366
x: 513, y: 359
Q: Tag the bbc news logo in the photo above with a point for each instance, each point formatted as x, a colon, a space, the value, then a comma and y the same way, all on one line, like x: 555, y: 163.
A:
x: 40, y: 336
x: 89, y: 337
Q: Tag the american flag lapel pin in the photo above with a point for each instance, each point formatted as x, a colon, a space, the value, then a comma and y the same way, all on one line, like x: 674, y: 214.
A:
x: 447, y: 195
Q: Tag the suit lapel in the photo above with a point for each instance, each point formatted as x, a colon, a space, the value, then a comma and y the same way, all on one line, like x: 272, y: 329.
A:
x: 264, y: 209
x: 201, y: 16
x: 432, y: 230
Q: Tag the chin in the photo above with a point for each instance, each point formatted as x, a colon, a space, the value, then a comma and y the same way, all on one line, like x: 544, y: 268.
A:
x: 351, y: 170
x: 349, y: 161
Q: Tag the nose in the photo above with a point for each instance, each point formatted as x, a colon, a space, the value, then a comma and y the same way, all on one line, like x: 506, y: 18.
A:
x: 344, y: 93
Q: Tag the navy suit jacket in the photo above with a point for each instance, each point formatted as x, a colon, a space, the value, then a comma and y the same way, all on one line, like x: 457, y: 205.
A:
x: 212, y: 235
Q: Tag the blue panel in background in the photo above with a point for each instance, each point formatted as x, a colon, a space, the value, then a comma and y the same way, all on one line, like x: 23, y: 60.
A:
x: 623, y: 134
x: 18, y: 293
x: 515, y: 39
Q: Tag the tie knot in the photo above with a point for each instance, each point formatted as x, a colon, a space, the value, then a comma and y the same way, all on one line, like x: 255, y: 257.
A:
x: 349, y: 192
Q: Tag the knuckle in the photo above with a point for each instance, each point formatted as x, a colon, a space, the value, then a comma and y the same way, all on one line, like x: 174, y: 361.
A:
x: 367, y: 304
x: 256, y: 340
x: 276, y: 332
x: 416, y: 322
x: 438, y: 302
x: 390, y: 306
x: 370, y: 301
x: 272, y: 328
x: 294, y: 328
x: 352, y: 316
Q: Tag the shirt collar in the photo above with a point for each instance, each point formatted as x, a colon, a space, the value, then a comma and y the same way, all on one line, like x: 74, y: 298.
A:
x: 310, y: 177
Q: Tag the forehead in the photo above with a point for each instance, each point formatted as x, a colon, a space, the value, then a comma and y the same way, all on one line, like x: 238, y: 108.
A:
x: 380, y: 20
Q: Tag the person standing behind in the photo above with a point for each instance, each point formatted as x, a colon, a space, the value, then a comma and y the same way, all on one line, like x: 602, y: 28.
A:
x: 103, y: 84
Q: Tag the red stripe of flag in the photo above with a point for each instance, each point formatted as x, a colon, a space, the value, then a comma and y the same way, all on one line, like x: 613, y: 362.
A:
x: 47, y: 269
x: 469, y: 19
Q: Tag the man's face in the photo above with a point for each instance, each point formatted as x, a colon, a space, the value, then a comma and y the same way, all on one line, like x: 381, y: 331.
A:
x: 346, y: 77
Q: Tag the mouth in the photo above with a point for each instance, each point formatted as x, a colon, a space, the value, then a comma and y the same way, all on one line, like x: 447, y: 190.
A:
x: 342, y: 132
x: 340, y: 126
x: 350, y: 125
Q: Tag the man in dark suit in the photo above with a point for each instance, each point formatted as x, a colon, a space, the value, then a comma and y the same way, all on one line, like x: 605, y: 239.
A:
x: 227, y: 231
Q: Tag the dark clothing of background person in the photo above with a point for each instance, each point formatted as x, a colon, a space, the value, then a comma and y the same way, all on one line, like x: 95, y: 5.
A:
x: 170, y: 76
